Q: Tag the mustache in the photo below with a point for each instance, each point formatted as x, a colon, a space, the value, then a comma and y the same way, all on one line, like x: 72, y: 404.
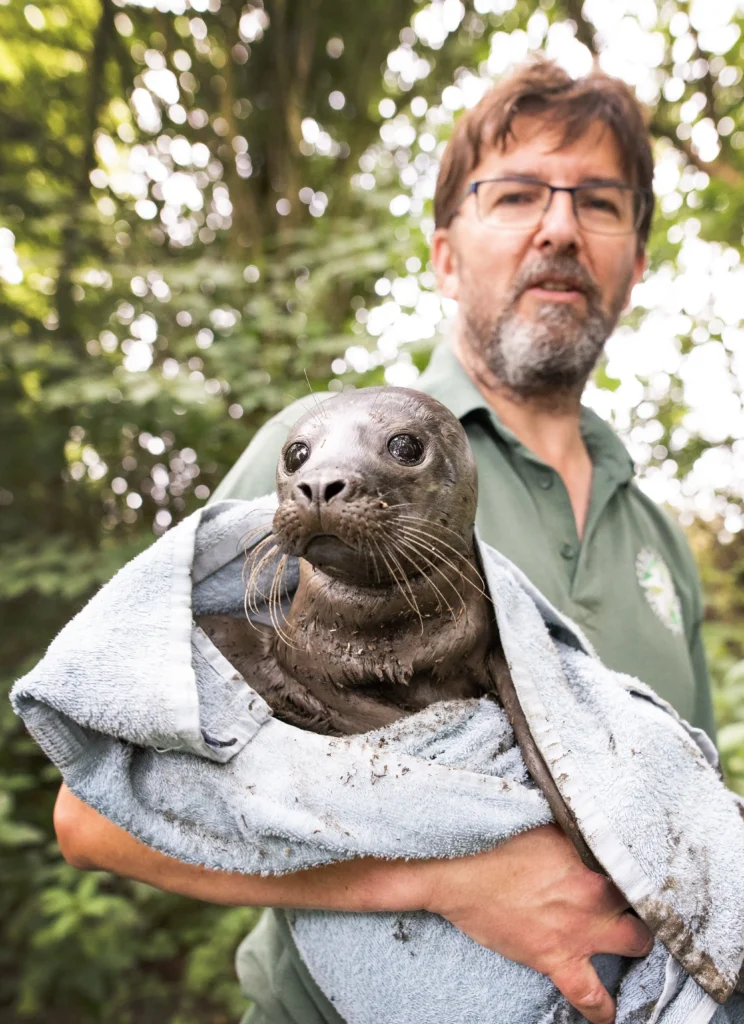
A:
x: 564, y: 268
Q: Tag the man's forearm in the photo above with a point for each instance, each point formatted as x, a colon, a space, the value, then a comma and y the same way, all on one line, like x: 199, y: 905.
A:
x: 91, y: 842
x: 530, y: 899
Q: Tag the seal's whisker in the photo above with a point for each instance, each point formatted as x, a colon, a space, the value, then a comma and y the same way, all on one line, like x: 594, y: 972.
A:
x: 253, y: 553
x: 460, y: 555
x: 411, y: 602
x: 252, y: 587
x: 435, y: 525
x: 439, y: 543
x: 391, y: 571
x: 305, y: 411
x: 243, y: 544
x: 266, y: 525
x: 390, y: 490
x: 404, y: 574
x: 272, y: 609
x: 247, y: 610
x: 380, y: 393
x: 433, y: 547
x: 422, y: 522
x: 250, y: 604
x: 422, y: 545
x: 275, y: 591
x: 251, y: 559
x: 254, y: 578
x: 371, y: 555
x: 322, y: 413
x: 410, y: 544
x: 275, y: 599
x: 410, y: 555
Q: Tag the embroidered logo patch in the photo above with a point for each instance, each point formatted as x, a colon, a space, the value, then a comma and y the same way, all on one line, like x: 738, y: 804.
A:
x: 657, y: 583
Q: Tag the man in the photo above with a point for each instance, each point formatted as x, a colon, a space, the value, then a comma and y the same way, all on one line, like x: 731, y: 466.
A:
x: 543, y: 207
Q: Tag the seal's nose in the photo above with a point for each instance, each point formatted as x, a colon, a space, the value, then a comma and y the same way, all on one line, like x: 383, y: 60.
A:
x: 319, y: 491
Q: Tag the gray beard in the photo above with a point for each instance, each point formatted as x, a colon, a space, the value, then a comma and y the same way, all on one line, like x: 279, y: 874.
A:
x: 548, y: 359
x: 550, y: 356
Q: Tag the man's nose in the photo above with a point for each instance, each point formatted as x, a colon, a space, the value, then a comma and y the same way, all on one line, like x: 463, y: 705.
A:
x: 559, y: 229
x: 321, y: 490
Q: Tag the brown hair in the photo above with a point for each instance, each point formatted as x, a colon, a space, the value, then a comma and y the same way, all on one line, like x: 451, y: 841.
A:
x: 543, y: 89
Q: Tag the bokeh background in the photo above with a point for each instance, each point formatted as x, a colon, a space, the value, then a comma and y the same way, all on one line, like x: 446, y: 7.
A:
x: 208, y: 208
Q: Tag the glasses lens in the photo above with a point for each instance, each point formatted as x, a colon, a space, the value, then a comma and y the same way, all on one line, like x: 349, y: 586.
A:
x: 602, y: 209
x: 609, y: 210
x: 511, y: 204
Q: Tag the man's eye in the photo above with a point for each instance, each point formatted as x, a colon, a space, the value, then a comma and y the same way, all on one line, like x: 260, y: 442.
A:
x: 517, y: 199
x: 295, y: 455
x: 406, y: 448
x: 601, y: 205
x: 601, y: 201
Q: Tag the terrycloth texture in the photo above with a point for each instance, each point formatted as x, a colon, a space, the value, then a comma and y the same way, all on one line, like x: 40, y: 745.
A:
x: 153, y: 727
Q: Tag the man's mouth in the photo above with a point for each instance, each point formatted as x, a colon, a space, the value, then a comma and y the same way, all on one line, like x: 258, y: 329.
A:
x: 557, y: 286
x: 557, y: 289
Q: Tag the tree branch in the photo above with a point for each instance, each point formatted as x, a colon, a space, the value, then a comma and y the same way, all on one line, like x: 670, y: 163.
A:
x: 71, y: 237
x: 246, y: 221
x: 585, y: 31
x: 717, y: 168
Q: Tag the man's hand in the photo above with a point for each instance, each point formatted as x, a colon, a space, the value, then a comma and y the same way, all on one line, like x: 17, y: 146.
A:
x: 533, y: 901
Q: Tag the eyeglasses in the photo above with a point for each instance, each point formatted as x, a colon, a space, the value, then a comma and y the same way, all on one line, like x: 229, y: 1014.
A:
x: 520, y: 203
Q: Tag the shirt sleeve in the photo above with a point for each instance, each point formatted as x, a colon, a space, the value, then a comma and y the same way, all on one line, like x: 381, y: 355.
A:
x: 687, y: 581
x: 254, y: 474
x: 704, y: 715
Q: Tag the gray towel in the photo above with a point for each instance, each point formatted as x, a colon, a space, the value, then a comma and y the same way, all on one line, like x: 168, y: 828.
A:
x: 153, y: 727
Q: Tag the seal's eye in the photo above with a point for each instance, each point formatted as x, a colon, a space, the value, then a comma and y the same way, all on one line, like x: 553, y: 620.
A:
x: 295, y: 455
x: 406, y: 448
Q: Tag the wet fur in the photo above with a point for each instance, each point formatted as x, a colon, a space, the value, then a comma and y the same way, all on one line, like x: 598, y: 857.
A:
x: 407, y: 623
x: 398, y: 618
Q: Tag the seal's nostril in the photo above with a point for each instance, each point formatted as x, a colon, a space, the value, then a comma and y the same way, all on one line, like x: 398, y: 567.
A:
x: 306, y: 490
x: 333, y: 489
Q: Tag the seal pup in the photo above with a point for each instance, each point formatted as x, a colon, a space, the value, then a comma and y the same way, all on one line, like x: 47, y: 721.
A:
x: 377, y: 495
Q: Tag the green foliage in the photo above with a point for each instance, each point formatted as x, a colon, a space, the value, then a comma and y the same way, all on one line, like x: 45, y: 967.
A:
x: 195, y: 251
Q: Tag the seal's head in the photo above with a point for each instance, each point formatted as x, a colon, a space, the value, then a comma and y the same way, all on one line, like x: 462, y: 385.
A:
x: 376, y: 484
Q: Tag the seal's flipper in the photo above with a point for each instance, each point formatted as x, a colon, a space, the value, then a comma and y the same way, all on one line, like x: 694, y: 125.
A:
x: 533, y: 759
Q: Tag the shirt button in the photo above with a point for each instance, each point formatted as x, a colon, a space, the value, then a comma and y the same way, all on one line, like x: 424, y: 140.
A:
x: 545, y: 481
x: 567, y: 551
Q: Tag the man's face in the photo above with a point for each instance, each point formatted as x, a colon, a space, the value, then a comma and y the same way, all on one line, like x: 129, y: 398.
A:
x: 513, y: 327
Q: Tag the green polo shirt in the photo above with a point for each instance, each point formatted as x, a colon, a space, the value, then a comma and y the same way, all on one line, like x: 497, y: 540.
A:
x: 630, y: 582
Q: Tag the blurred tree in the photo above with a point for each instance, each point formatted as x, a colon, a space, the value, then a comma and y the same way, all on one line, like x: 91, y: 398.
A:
x: 207, y: 207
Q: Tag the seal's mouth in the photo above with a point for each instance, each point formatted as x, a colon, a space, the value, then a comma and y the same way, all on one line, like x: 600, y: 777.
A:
x: 335, y: 557
x: 331, y: 555
x: 326, y: 548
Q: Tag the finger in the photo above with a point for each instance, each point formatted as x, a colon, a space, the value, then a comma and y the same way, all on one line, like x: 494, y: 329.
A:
x: 580, y: 984
x: 627, y: 935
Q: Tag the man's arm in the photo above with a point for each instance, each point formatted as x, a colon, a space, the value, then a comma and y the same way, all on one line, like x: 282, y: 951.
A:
x: 531, y: 899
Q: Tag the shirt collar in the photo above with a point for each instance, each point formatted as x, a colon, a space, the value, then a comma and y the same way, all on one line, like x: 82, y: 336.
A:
x: 446, y: 380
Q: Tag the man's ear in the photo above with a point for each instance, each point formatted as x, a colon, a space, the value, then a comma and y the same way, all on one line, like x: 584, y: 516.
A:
x: 639, y: 269
x: 445, y: 263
